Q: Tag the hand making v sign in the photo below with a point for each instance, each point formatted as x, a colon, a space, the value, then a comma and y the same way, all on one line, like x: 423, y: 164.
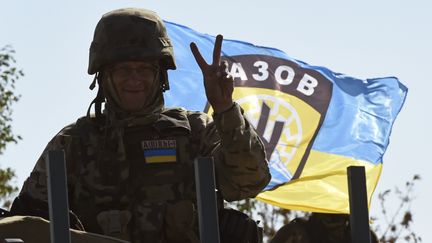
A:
x: 219, y: 85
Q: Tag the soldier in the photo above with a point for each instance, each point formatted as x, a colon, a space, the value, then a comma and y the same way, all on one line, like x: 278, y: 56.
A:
x: 130, y: 166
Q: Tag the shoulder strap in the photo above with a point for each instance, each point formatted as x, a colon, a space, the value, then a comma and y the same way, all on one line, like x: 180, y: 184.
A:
x: 172, y: 120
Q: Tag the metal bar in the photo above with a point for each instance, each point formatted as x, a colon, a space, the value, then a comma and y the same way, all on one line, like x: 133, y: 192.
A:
x: 58, y: 197
x: 13, y: 240
x: 359, y: 213
x: 207, y: 203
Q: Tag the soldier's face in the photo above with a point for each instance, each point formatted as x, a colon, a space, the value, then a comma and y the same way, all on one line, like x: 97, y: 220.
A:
x: 133, y: 82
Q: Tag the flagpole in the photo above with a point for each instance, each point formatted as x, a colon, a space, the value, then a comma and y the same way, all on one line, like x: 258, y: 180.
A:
x: 359, y: 213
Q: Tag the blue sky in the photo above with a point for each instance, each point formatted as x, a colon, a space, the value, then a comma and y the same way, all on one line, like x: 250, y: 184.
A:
x: 363, y: 39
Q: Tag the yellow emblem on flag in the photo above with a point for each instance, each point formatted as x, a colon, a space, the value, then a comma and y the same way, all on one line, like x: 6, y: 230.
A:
x: 290, y: 123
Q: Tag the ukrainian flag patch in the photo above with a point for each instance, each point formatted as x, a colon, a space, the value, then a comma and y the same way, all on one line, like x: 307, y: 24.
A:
x: 159, y: 151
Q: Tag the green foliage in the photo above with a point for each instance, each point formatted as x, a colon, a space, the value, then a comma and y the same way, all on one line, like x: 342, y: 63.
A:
x: 9, y: 74
x: 6, y: 189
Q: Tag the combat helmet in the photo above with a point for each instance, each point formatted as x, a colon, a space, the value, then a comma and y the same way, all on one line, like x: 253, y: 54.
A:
x: 131, y: 34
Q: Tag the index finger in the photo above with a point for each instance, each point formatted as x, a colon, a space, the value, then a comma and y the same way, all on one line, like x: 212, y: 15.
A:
x: 217, y: 50
x: 198, y: 57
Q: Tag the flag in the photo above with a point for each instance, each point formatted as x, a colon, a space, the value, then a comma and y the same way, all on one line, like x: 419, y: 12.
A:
x: 313, y: 122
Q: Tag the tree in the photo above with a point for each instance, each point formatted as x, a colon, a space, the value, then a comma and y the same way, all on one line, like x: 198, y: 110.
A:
x: 9, y: 74
x: 396, y: 225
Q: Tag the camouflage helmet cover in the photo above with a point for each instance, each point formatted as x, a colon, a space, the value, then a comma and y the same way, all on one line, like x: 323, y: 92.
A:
x: 130, y: 34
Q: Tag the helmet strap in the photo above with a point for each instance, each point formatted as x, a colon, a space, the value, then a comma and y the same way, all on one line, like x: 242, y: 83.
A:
x: 163, y: 73
x: 98, y: 100
x: 93, y: 83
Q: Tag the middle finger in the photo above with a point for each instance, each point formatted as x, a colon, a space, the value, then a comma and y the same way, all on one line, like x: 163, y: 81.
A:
x: 217, y: 50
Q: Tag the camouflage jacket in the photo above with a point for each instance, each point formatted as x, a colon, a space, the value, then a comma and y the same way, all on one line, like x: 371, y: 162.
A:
x: 139, y: 185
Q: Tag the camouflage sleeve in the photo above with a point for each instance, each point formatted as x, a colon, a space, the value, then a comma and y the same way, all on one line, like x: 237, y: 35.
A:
x: 240, y: 161
x: 35, y: 186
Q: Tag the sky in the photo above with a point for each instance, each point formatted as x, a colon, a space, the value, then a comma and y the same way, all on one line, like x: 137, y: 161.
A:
x: 364, y: 39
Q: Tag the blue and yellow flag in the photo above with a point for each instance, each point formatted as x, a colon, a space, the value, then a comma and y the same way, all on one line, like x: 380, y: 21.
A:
x: 314, y: 122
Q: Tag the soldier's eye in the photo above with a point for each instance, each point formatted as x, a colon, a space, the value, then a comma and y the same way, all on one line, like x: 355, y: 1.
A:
x: 143, y: 71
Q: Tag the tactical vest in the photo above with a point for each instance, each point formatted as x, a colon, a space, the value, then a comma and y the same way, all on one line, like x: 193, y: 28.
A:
x: 142, y: 191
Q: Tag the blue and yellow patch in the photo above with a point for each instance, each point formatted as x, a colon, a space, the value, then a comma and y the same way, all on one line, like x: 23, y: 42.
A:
x: 159, y: 151
x: 160, y: 155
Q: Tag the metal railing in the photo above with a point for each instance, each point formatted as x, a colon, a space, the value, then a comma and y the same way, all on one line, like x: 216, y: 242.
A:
x: 206, y: 197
